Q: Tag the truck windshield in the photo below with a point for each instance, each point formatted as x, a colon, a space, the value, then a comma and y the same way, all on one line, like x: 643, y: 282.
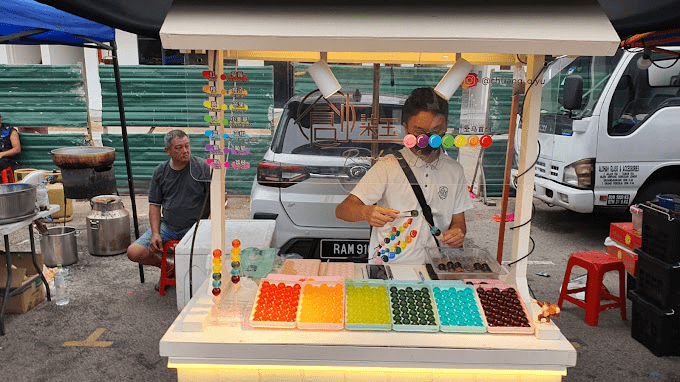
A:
x: 595, y: 72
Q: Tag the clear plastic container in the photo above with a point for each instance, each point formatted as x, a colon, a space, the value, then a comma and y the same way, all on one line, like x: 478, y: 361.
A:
x: 61, y: 292
x: 463, y: 263
x: 636, y: 212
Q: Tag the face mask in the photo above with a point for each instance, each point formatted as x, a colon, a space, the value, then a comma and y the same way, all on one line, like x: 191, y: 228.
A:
x: 427, y: 150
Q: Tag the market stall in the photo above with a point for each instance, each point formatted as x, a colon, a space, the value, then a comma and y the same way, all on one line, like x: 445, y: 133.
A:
x: 219, y: 338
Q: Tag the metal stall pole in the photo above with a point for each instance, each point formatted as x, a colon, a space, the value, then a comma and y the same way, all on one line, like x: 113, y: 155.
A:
x: 126, y: 147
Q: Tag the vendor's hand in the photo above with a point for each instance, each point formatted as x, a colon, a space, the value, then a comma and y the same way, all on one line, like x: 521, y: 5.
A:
x: 378, y: 216
x: 156, y: 244
x: 454, y: 237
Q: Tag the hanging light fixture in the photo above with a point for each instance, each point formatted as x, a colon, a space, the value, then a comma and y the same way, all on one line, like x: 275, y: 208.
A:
x: 323, y: 78
x: 453, y: 79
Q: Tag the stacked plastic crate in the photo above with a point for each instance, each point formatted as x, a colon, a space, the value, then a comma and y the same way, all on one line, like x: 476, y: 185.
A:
x: 656, y: 299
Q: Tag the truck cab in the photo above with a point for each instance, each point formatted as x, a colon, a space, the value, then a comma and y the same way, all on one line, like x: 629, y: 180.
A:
x: 619, y: 143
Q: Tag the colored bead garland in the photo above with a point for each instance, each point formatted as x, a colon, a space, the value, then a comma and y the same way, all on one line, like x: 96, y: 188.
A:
x: 236, y: 261
x: 384, y: 253
x: 217, y: 269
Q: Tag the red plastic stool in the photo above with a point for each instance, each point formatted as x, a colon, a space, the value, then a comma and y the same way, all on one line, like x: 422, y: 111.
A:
x: 165, y: 281
x: 7, y: 175
x: 596, y: 264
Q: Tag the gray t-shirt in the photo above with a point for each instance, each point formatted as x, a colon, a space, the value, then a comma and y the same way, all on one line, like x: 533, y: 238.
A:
x: 181, y: 193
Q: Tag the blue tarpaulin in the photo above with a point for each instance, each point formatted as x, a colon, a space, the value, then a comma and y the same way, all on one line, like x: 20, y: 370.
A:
x: 22, y: 16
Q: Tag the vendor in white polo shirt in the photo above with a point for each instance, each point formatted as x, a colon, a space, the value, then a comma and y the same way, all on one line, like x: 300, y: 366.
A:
x: 385, y: 194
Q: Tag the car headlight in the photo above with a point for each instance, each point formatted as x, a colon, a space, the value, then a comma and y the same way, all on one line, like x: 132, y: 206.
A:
x: 580, y: 173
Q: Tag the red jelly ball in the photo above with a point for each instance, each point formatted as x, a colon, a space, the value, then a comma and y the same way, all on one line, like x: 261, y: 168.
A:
x: 486, y: 141
x: 216, y: 291
x: 217, y: 253
x: 413, y: 233
x: 236, y: 243
x: 235, y: 279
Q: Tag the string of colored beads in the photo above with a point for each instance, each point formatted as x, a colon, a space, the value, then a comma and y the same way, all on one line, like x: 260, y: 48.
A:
x: 217, y: 272
x: 385, y: 253
x: 236, y: 271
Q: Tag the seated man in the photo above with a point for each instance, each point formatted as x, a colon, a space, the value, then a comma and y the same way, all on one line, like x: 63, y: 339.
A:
x: 10, y: 146
x: 176, y: 192
x: 385, y: 191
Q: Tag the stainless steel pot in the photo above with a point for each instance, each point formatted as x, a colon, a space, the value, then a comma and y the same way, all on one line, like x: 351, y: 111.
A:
x: 59, y: 246
x: 17, y: 202
x: 108, y: 226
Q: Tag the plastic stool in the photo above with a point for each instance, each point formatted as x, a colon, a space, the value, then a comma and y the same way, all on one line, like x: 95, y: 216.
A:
x: 7, y: 176
x: 165, y: 281
x: 596, y: 264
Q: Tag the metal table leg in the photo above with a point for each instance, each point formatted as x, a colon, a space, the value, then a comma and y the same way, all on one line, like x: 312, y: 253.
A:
x: 35, y: 263
x: 8, y: 260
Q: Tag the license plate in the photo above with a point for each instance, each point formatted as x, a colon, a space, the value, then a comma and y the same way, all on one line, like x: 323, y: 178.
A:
x: 343, y: 249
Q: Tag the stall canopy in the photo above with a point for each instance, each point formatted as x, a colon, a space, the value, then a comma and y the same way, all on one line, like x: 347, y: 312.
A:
x: 145, y: 17
x: 498, y: 27
x: 28, y: 22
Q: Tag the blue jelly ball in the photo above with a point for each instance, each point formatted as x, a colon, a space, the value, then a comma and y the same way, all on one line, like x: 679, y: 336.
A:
x: 216, y: 283
x: 392, y: 255
x: 435, y: 141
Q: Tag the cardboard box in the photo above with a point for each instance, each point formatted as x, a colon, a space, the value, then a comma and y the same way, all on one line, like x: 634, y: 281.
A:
x: 23, y: 270
x: 624, y: 234
x: 33, y: 293
x: 629, y: 259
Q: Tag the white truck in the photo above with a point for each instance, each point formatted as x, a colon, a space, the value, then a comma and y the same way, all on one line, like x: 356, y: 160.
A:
x: 609, y: 130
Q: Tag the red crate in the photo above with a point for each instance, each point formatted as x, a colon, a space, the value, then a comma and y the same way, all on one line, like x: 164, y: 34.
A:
x: 629, y: 259
x: 624, y: 234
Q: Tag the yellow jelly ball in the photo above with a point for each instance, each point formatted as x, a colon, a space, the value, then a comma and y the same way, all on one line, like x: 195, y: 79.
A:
x: 460, y: 141
x: 235, y: 257
x: 217, y: 269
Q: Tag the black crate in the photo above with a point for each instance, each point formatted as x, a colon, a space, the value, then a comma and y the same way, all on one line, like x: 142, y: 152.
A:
x: 661, y: 233
x: 657, y: 329
x: 657, y: 281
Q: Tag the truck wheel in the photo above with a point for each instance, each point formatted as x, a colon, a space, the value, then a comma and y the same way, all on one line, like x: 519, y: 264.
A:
x: 660, y: 186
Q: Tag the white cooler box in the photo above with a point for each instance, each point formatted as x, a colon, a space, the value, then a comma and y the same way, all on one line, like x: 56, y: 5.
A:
x: 252, y: 234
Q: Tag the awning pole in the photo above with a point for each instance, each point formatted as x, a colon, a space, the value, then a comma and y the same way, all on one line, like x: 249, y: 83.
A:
x: 375, y: 113
x: 525, y: 184
x: 126, y: 146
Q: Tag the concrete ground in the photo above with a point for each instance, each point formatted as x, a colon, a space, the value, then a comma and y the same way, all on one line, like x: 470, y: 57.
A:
x: 117, y: 322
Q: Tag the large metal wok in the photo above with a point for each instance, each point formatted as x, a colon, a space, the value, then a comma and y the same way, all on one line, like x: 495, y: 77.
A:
x: 98, y: 158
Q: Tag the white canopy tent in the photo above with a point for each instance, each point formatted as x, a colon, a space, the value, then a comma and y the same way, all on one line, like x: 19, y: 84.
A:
x: 494, y: 33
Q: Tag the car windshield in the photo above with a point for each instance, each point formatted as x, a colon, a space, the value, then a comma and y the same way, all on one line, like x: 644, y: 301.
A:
x: 337, y: 128
x: 595, y: 72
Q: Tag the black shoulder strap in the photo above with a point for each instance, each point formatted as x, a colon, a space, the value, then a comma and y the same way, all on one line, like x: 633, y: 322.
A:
x: 427, y: 211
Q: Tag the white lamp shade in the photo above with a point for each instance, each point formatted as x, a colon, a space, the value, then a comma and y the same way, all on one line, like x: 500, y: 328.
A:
x: 323, y: 78
x: 453, y: 79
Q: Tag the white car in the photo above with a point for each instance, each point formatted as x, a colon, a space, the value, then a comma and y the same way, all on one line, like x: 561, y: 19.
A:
x: 312, y: 166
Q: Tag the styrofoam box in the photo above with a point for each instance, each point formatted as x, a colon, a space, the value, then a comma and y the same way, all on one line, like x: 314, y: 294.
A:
x: 252, y: 234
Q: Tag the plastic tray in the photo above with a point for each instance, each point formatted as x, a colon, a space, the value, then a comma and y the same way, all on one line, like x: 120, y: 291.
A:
x: 350, y: 305
x: 403, y: 285
x: 344, y: 270
x: 493, y: 328
x: 301, y: 267
x: 466, y: 293
x: 275, y: 301
x: 257, y: 263
x: 324, y: 302
x: 467, y: 257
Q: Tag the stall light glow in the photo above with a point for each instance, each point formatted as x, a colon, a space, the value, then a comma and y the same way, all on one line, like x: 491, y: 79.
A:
x: 367, y: 369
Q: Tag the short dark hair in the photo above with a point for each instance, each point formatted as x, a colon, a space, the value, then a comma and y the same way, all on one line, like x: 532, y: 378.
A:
x: 424, y: 99
x: 173, y: 134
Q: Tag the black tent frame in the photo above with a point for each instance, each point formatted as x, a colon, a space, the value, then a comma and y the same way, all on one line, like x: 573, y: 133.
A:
x: 111, y: 46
